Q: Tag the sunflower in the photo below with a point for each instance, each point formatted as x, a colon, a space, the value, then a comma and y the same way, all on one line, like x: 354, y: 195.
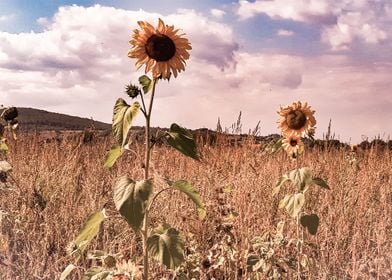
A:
x: 296, y: 118
x: 161, y: 49
x: 293, y: 145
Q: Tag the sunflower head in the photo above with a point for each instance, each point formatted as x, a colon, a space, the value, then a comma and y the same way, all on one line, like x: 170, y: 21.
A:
x: 297, y: 119
x: 162, y: 50
x: 293, y: 145
x: 10, y: 114
x: 132, y: 90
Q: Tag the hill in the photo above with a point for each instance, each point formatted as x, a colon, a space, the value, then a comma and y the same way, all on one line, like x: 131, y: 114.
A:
x: 34, y: 119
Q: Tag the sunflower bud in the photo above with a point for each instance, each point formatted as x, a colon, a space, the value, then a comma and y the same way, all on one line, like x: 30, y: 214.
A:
x: 9, y: 114
x: 132, y: 91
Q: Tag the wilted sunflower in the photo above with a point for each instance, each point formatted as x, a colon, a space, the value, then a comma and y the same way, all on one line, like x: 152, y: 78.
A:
x: 161, y: 49
x: 293, y: 145
x: 296, y: 119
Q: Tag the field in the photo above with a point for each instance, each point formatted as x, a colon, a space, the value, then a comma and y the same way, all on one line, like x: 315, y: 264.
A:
x: 57, y: 185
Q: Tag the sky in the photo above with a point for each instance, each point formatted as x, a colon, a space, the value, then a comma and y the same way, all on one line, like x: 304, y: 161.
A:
x: 249, y: 56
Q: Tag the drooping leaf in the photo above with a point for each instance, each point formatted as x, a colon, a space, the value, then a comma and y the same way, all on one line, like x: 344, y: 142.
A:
x: 67, y: 271
x: 294, y: 204
x: 182, y: 140
x: 146, y: 83
x: 193, y: 194
x: 5, y: 166
x: 310, y: 222
x: 165, y: 245
x: 123, y: 115
x: 130, y: 198
x: 301, y: 177
x: 279, y: 184
x: 277, y: 146
x: 320, y: 182
x: 111, y: 157
x: 89, y: 230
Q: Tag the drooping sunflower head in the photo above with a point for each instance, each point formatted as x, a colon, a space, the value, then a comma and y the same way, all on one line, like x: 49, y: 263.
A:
x: 296, y: 118
x: 162, y: 50
x: 293, y: 145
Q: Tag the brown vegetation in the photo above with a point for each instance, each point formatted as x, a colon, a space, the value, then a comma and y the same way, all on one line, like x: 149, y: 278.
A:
x: 57, y: 185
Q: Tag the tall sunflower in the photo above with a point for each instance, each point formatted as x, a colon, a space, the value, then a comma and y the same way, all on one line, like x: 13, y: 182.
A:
x: 162, y: 50
x: 293, y: 145
x: 296, y: 118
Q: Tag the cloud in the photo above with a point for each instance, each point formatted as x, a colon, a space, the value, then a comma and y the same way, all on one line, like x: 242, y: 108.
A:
x: 298, y: 10
x: 342, y: 23
x: 217, y: 13
x: 284, y: 32
x: 6, y: 17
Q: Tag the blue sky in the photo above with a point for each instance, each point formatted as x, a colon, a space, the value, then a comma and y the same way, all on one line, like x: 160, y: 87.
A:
x: 252, y: 56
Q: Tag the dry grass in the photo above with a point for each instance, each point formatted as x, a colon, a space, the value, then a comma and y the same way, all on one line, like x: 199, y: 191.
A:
x: 60, y: 184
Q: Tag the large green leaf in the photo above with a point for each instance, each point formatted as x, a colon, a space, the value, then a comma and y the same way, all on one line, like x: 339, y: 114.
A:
x: 301, y: 177
x: 294, y: 204
x: 320, y: 182
x: 123, y: 115
x: 130, y: 198
x: 111, y: 157
x: 182, y: 140
x: 310, y: 222
x: 166, y: 246
x: 146, y: 83
x: 193, y: 194
x: 89, y: 230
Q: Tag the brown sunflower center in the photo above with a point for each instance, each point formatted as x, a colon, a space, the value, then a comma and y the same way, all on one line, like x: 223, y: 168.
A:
x: 160, y: 47
x: 296, y: 119
x: 293, y: 142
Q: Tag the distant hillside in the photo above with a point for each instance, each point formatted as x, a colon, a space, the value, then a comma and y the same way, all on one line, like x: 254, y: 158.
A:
x: 34, y: 119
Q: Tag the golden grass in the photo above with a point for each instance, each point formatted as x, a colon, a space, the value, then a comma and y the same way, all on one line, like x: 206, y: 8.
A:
x: 60, y: 184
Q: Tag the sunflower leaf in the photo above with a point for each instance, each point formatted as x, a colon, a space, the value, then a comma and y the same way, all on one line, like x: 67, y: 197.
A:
x: 320, y: 182
x: 311, y: 223
x: 294, y: 204
x: 123, y: 115
x: 301, y: 177
x: 130, y: 198
x: 89, y: 230
x: 194, y: 195
x: 111, y: 157
x: 279, y: 184
x: 166, y: 246
x: 146, y: 83
x: 182, y: 140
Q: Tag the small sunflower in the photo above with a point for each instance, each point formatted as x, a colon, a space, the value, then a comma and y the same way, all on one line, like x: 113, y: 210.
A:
x: 161, y: 49
x: 297, y: 118
x: 293, y: 145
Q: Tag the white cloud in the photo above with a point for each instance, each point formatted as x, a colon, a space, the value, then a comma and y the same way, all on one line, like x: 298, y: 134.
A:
x: 217, y: 13
x: 284, y: 32
x: 298, y: 10
x: 342, y: 23
x: 6, y: 17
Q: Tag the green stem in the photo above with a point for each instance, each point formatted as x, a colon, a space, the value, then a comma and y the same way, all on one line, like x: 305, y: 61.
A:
x: 146, y: 175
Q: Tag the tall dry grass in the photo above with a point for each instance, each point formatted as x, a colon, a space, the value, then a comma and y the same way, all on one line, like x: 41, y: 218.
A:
x: 58, y: 185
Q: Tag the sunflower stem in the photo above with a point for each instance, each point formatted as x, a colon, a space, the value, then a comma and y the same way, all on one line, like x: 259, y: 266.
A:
x: 146, y: 175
